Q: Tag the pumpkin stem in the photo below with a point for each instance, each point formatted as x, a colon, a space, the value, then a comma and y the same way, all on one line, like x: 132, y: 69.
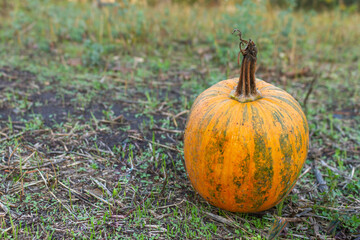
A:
x: 246, y: 89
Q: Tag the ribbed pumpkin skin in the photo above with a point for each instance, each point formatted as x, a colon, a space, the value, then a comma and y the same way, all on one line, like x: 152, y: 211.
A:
x: 245, y: 157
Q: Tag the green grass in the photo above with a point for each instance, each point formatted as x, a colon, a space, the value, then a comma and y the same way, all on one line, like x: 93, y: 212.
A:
x: 93, y: 104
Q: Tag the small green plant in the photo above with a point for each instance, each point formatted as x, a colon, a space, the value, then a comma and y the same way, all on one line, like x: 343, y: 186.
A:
x: 35, y: 123
x: 93, y: 54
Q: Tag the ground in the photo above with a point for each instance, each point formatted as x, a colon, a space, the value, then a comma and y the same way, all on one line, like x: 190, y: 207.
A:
x: 93, y: 109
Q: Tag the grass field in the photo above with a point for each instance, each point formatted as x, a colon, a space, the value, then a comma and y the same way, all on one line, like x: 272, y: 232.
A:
x: 94, y: 100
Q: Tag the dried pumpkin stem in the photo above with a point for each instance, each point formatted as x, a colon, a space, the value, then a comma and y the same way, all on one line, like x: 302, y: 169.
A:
x: 246, y: 89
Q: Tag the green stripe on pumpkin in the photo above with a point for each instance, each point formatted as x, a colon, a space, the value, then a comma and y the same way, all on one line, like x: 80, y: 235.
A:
x: 262, y: 157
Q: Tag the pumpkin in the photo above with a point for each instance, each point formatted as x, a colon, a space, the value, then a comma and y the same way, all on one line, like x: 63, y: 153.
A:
x: 245, y: 141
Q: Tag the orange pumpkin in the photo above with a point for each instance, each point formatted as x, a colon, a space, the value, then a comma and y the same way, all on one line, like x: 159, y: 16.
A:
x: 245, y: 141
